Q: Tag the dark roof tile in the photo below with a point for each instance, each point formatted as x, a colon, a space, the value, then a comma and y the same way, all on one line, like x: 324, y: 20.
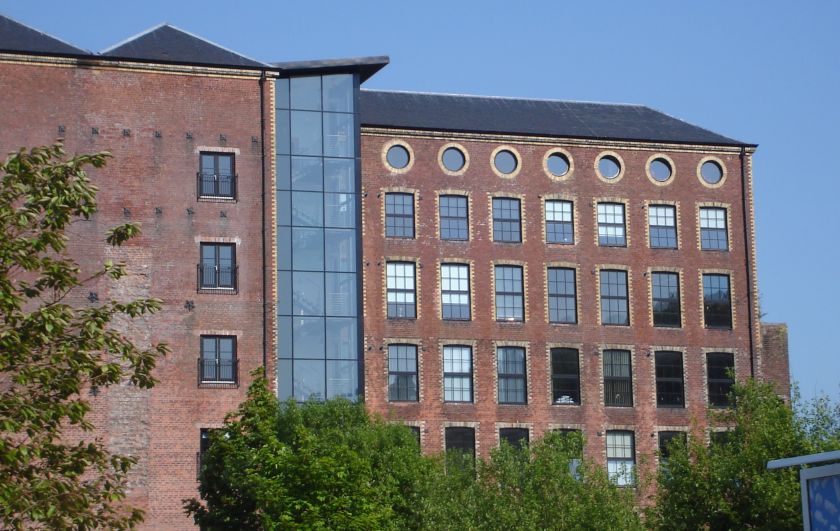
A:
x: 448, y: 112
x: 17, y: 37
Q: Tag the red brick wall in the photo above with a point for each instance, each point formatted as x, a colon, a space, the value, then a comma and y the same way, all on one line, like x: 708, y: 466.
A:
x: 151, y: 180
x: 533, y: 184
x: 776, y: 364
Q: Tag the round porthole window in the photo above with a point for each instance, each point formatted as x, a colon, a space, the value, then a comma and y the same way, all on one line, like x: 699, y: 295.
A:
x: 398, y: 157
x: 660, y: 170
x: 505, y: 162
x: 558, y: 164
x: 711, y: 172
x: 453, y: 159
x: 609, y: 167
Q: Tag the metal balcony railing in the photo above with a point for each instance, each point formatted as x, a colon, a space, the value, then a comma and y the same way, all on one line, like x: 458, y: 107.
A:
x: 216, y: 185
x: 218, y: 372
x: 216, y: 279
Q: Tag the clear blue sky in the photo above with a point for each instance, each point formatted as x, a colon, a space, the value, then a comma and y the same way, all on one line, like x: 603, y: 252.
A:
x: 766, y: 72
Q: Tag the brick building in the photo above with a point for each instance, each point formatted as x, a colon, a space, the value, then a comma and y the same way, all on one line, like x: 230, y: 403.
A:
x: 479, y: 268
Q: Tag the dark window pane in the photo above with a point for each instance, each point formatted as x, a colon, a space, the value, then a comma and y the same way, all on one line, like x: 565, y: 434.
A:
x: 663, y: 226
x: 340, y: 248
x: 454, y: 223
x: 307, y: 173
x: 510, y: 362
x: 669, y: 379
x: 399, y: 215
x: 306, y: 93
x: 558, y: 164
x: 342, y: 338
x: 402, y: 373
x: 667, y: 439
x: 397, y: 156
x: 340, y: 175
x: 505, y: 162
x: 460, y: 439
x: 711, y: 172
x: 611, y: 226
x: 309, y: 380
x: 308, y: 337
x: 307, y: 209
x: 515, y: 437
x: 338, y: 92
x: 506, y: 220
x: 308, y: 293
x: 660, y: 170
x: 666, y: 299
x: 339, y: 135
x: 308, y: 249
x: 618, y: 380
x: 306, y: 133
x: 614, y: 309
x: 609, y: 167
x: 719, y: 366
x: 565, y: 376
x: 509, y: 293
x: 453, y: 159
x: 562, y: 295
x: 717, y: 304
x: 713, y: 232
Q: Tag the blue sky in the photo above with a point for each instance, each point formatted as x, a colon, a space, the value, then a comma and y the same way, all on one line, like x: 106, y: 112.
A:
x: 766, y: 72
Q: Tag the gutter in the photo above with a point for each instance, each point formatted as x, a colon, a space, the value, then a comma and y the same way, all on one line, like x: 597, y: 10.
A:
x: 747, y: 248
x: 262, y: 203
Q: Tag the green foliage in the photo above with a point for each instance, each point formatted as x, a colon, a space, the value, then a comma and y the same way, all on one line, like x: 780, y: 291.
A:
x: 318, y: 465
x: 727, y: 486
x: 531, y: 488
x: 51, y: 351
x: 330, y: 466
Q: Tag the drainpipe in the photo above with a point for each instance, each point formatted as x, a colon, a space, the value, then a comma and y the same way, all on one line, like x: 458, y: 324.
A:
x: 747, y: 248
x: 263, y: 204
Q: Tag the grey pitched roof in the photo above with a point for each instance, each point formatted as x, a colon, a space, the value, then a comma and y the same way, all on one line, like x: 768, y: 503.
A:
x: 166, y: 43
x: 17, y: 37
x: 366, y: 66
x: 449, y: 112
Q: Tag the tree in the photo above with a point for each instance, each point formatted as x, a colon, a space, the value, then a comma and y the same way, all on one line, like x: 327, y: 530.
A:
x: 317, y: 465
x: 51, y: 351
x: 726, y: 485
x: 532, y: 488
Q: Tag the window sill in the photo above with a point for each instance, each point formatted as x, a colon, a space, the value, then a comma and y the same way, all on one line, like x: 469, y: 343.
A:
x: 719, y: 328
x: 667, y: 327
x: 520, y: 404
x: 565, y: 244
x: 511, y: 321
x: 218, y: 385
x: 218, y: 291
x: 670, y: 407
x: 215, y: 199
x: 715, y: 250
x: 631, y: 406
x: 566, y: 404
x: 561, y: 323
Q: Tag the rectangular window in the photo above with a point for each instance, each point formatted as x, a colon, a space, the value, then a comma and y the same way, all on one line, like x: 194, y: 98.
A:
x: 460, y: 439
x: 663, y: 226
x: 401, y: 291
x: 565, y: 376
x: 457, y: 373
x: 621, y: 457
x: 455, y: 292
x: 562, y: 295
x: 614, y: 301
x: 618, y: 378
x: 506, y: 220
x: 717, y: 301
x: 454, y: 220
x: 509, y: 293
x: 611, y: 228
x: 559, y: 223
x: 217, y: 270
x: 713, y: 233
x: 719, y: 366
x: 515, y: 437
x: 402, y: 373
x: 216, y: 176
x: 217, y: 363
x: 666, y: 439
x: 666, y: 299
x: 203, y: 446
x: 670, y: 387
x: 399, y: 215
x: 511, y: 371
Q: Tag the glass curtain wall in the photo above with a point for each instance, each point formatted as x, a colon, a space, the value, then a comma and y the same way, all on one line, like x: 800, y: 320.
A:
x: 318, y: 316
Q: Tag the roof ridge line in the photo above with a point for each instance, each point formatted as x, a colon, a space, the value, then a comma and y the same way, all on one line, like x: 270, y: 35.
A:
x: 217, y: 45
x: 133, y: 37
x: 51, y: 36
x: 519, y: 98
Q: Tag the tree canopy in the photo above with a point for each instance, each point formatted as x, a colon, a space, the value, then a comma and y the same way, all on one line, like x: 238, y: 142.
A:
x: 51, y: 351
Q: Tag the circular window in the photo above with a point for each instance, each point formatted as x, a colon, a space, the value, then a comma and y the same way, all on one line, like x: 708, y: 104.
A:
x: 660, y: 170
x: 711, y: 172
x: 609, y: 167
x: 558, y: 164
x: 398, y: 156
x: 505, y: 162
x: 453, y: 159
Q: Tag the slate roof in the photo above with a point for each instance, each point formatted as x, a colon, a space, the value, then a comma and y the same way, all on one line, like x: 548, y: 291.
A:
x: 482, y: 114
x: 17, y: 37
x: 166, y: 43
x: 366, y: 66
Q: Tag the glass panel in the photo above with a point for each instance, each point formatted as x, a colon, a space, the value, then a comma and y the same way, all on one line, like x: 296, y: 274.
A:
x: 609, y: 167
x: 340, y: 210
x: 339, y: 135
x: 208, y: 348
x: 342, y: 379
x: 340, y: 248
x: 341, y: 294
x: 308, y: 333
x: 307, y: 173
x: 284, y: 337
x: 340, y: 175
x: 308, y: 294
x: 558, y: 164
x: 284, y: 293
x: 453, y: 159
x: 505, y: 162
x: 282, y: 86
x: 306, y: 133
x: 342, y: 338
x: 308, y: 249
x: 338, y: 93
x: 284, y: 136
x: 284, y: 248
x: 660, y: 170
x: 711, y: 172
x: 307, y: 209
x: 397, y: 157
x: 285, y: 388
x: 309, y: 378
x: 284, y: 208
x: 284, y: 172
x: 306, y: 93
